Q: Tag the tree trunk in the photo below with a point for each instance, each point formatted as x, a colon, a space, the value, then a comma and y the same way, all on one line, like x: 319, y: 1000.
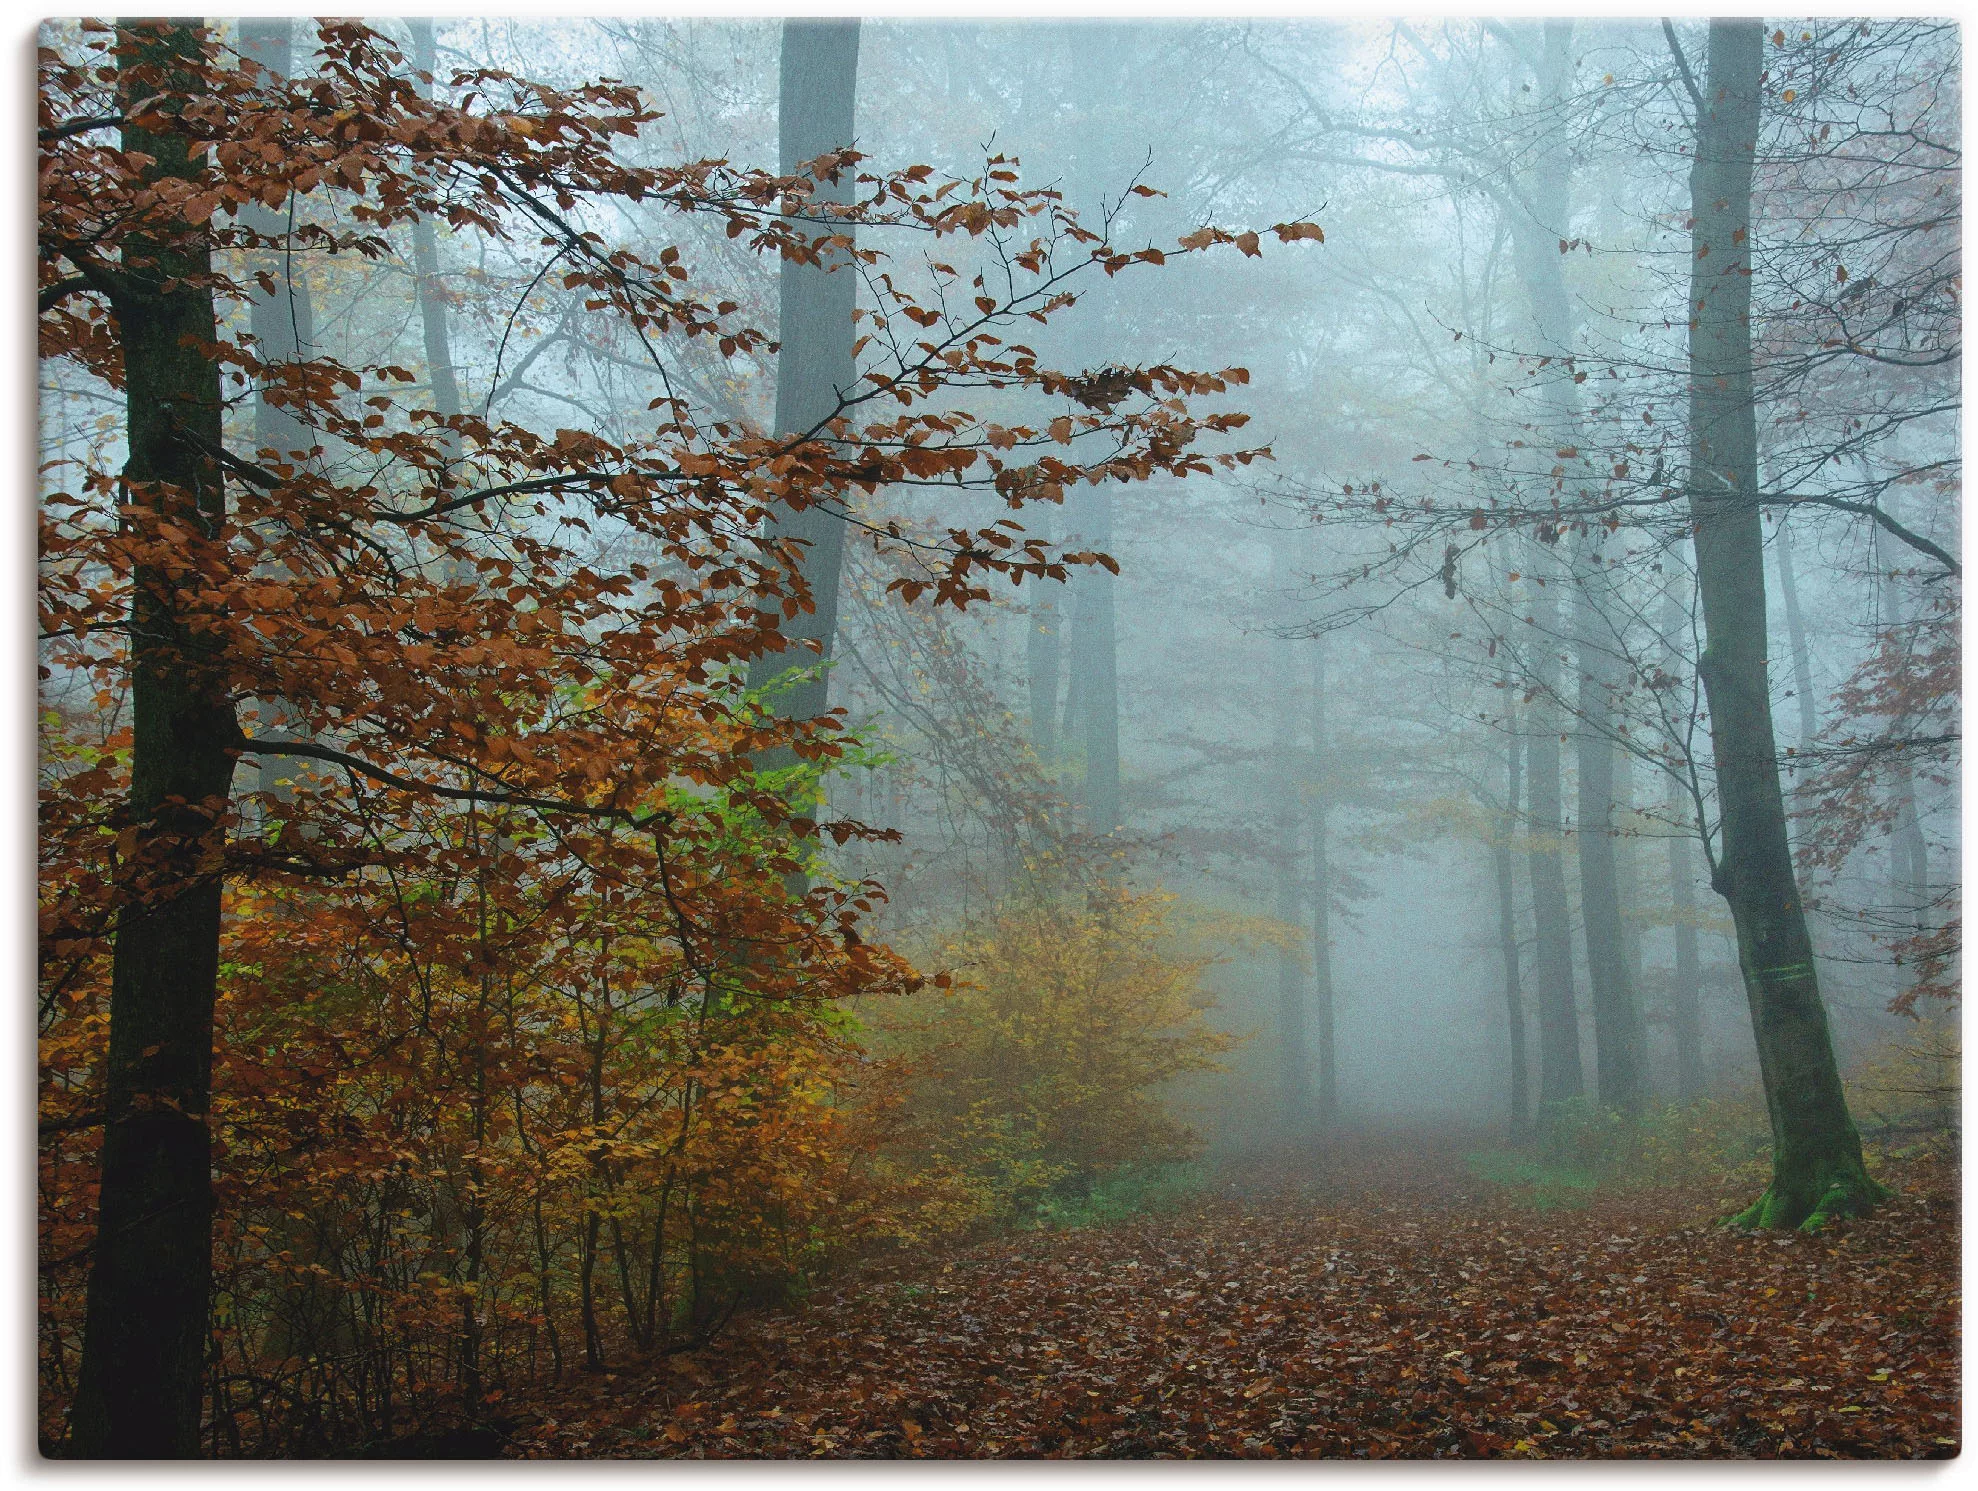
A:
x: 440, y: 372
x: 1294, y: 1056
x: 1617, y: 1028
x: 1536, y: 234
x: 1685, y: 1003
x: 144, y: 1332
x: 1685, y: 997
x: 815, y: 366
x: 1043, y: 660
x: 1782, y: 547
x: 1560, y: 1078
x: 1817, y: 1169
x: 284, y: 323
x: 1507, y: 928
x: 284, y: 327
x: 1322, y: 990
x: 1095, y: 656
x: 1098, y: 68
x: 1910, y: 852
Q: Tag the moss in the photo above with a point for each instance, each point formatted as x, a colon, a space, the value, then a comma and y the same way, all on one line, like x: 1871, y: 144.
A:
x: 1786, y: 1207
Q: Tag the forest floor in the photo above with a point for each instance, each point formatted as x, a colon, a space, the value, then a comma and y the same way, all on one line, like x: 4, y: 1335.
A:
x: 1374, y: 1300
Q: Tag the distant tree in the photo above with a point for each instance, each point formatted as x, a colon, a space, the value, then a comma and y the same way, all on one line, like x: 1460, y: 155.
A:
x: 816, y: 368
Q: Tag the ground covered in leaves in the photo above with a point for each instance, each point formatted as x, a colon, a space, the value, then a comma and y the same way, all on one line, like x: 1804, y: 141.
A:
x: 1372, y: 1301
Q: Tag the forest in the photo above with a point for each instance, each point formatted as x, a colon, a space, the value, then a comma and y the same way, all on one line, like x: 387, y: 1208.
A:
x: 982, y: 739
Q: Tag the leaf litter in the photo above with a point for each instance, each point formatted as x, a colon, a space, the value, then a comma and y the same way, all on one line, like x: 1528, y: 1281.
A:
x: 1375, y: 1302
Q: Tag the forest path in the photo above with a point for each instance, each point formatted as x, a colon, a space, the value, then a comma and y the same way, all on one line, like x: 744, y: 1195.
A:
x: 1372, y: 1302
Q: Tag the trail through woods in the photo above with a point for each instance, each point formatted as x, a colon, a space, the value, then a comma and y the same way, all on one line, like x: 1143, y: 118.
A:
x: 1374, y: 1301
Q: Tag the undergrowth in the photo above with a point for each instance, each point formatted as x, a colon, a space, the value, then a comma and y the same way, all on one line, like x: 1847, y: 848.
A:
x: 1132, y: 1191
x: 1904, y: 1096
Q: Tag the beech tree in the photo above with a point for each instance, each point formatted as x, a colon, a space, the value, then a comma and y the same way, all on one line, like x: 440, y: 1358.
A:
x: 1817, y: 1169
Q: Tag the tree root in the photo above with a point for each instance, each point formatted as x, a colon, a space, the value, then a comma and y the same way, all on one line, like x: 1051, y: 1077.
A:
x: 1798, y: 1208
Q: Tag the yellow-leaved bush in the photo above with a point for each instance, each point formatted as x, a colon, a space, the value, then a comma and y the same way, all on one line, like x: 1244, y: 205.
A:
x: 1041, y: 1070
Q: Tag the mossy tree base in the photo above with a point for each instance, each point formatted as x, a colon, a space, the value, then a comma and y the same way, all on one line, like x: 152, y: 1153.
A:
x: 1809, y: 1203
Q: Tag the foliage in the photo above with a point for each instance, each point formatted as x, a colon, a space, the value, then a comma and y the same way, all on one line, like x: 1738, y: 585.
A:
x: 1039, y: 1075
x: 1132, y: 1191
x: 1898, y: 724
x: 525, y: 1052
x: 1909, y: 1092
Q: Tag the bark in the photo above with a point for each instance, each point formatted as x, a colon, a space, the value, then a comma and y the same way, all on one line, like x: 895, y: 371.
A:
x: 1685, y: 1003
x: 1507, y: 930
x: 145, y: 1321
x: 1321, y: 808
x: 1627, y: 881
x: 815, y: 366
x: 1618, y: 1039
x: 1535, y: 250
x: 1817, y: 1169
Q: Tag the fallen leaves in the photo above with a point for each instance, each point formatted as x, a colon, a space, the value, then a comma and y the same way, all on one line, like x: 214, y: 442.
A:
x: 1305, y: 1314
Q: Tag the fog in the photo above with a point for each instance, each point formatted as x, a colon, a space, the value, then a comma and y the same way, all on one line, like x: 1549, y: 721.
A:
x: 1394, y: 368
x: 1066, y: 715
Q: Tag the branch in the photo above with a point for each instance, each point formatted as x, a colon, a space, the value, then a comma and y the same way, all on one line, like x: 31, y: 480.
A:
x: 54, y: 294
x: 359, y: 766
x: 77, y: 127
x: 1889, y: 525
x: 1683, y: 66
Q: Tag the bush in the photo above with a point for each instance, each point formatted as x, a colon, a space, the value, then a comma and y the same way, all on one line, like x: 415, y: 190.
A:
x: 1036, y: 1080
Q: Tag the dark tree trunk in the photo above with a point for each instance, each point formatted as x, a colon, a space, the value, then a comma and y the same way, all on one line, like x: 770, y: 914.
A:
x: 144, y: 1331
x: 815, y: 367
x: 1507, y: 929
x: 1817, y: 1169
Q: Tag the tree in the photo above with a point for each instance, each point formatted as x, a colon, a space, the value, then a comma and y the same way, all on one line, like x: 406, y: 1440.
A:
x: 145, y: 1336
x: 816, y: 366
x: 1817, y: 1168
x: 1507, y: 929
x: 1293, y: 1047
x: 1319, y: 810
